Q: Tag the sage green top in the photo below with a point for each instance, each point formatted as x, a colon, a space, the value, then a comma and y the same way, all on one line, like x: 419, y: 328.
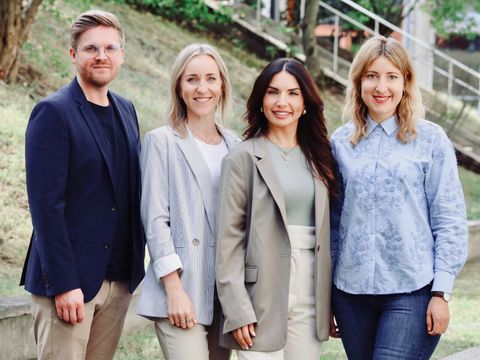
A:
x: 297, y: 183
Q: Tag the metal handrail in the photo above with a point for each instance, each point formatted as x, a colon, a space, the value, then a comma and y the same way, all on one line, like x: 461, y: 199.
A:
x: 472, y: 86
x: 411, y: 37
x: 448, y: 74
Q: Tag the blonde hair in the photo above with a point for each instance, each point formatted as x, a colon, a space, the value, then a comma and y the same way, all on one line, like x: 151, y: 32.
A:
x: 91, y: 19
x: 177, y: 111
x: 410, y: 107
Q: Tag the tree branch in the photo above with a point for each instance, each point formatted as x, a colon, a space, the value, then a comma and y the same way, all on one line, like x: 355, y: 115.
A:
x: 28, y: 19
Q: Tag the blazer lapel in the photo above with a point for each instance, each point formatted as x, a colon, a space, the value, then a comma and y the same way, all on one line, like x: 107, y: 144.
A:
x: 267, y: 171
x: 94, y: 125
x: 124, y: 114
x: 230, y: 139
x: 201, y: 172
x: 121, y: 114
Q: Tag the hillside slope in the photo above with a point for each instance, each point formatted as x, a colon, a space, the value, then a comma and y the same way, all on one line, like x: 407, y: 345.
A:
x: 152, y: 45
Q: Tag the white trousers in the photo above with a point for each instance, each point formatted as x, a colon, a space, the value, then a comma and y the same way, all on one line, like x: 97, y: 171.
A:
x: 302, y: 342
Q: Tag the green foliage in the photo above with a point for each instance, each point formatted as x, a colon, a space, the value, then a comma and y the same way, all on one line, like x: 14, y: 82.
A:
x: 294, y: 51
x: 271, y: 51
x: 193, y: 13
x: 239, y: 43
x: 390, y: 10
x: 449, y: 17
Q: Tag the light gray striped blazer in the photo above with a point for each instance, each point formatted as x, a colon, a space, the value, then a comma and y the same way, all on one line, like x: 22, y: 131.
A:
x: 178, y: 214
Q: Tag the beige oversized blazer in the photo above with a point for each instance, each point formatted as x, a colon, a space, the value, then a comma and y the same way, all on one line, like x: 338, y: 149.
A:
x: 253, y: 249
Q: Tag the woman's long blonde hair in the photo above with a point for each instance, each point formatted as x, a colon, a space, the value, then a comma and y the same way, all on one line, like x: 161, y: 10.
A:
x: 177, y: 111
x: 410, y: 107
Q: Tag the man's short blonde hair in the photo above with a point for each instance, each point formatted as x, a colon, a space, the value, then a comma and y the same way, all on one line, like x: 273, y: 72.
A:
x: 91, y: 19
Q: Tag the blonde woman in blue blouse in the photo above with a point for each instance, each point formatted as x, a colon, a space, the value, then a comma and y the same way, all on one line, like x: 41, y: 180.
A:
x: 399, y: 233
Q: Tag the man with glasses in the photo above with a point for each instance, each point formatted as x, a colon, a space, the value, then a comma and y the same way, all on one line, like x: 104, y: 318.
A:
x: 83, y: 182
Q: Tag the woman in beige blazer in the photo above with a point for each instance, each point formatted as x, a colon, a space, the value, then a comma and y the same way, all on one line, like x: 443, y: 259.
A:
x: 273, y: 250
x: 180, y: 165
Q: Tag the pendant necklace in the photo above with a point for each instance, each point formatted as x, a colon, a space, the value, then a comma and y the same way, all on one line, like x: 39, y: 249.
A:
x: 284, y: 153
x: 203, y: 138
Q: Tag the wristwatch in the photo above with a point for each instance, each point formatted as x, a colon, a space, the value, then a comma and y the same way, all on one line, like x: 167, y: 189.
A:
x: 444, y: 295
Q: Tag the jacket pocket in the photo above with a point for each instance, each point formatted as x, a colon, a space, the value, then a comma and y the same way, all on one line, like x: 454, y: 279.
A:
x: 251, y: 274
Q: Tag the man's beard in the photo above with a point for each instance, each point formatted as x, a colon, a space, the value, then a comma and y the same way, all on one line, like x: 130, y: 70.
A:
x: 100, y: 80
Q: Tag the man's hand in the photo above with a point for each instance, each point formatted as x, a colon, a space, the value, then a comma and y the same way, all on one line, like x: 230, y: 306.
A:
x: 179, y: 306
x: 438, y: 316
x: 244, y: 336
x: 70, y: 306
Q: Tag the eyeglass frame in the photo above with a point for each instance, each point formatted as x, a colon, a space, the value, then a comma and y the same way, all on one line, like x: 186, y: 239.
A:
x: 95, y: 50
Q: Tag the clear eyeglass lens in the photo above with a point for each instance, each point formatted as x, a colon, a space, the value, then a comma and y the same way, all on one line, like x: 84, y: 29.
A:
x: 93, y: 51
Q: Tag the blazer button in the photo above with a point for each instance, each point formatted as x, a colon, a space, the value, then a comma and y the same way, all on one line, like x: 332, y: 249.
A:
x: 195, y: 242
x: 107, y: 246
x: 113, y: 209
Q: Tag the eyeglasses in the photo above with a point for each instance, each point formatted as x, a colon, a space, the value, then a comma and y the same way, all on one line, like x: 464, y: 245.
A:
x: 111, y: 51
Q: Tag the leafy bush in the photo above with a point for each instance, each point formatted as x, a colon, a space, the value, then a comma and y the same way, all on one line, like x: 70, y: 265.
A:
x: 193, y: 13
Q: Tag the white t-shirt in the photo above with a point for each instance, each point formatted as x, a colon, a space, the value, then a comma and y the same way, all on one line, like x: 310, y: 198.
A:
x: 213, y: 155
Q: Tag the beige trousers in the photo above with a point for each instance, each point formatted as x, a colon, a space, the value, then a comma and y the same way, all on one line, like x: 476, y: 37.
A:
x: 302, y: 342
x: 95, y: 338
x: 199, y: 342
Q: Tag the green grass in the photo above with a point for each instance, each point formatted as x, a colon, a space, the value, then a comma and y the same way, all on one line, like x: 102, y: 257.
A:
x: 15, y: 225
x: 463, y: 331
x: 139, y: 345
x: 471, y: 188
x: 152, y: 45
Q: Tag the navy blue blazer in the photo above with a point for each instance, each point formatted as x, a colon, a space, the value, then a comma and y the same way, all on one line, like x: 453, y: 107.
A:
x: 71, y: 195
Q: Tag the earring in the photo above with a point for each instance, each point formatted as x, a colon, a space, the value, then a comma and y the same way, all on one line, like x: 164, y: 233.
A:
x: 304, y: 111
x: 261, y: 108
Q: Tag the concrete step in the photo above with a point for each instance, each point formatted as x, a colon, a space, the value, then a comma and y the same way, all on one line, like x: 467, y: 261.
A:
x: 469, y: 354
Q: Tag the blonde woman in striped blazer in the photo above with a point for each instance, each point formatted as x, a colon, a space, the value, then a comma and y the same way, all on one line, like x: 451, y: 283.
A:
x: 180, y: 165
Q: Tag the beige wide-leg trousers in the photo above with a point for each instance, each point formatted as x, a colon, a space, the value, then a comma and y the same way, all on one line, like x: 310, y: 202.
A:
x: 199, y: 342
x: 95, y: 338
x: 302, y: 341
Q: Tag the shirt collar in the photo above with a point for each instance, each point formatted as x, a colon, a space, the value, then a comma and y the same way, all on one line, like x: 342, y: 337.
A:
x: 389, y: 125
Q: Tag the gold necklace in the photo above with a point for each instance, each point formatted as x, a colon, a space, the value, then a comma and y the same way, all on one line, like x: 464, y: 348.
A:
x: 285, y: 154
x: 204, y: 139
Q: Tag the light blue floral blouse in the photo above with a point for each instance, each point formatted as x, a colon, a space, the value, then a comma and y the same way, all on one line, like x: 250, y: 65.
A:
x: 402, y: 223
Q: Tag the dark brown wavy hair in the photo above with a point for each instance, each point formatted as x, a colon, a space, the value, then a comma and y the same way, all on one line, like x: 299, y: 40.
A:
x: 312, y: 136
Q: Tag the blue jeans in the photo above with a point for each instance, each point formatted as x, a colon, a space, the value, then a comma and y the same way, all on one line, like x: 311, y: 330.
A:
x: 384, y: 327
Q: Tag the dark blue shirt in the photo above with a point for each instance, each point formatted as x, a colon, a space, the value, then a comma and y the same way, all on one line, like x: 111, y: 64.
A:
x: 119, y: 265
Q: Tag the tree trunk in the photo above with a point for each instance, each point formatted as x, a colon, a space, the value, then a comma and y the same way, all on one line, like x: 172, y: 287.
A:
x: 309, y: 41
x: 16, y: 18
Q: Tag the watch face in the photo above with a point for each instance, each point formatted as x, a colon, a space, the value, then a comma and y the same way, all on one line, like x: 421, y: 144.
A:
x: 446, y: 296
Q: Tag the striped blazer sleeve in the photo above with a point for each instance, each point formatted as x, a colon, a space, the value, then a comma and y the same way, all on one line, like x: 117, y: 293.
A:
x: 155, y: 207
